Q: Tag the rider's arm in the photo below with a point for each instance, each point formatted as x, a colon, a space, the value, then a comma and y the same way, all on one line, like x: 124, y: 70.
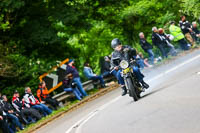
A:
x: 112, y: 62
x: 132, y: 51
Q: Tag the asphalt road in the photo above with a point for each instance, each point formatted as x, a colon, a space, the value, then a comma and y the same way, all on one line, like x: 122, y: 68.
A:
x: 170, y: 105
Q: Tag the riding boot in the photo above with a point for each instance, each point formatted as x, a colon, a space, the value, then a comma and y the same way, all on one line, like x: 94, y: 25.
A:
x: 144, y: 85
x: 124, y: 91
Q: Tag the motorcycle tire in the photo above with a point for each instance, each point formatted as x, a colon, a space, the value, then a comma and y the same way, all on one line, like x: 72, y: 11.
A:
x: 132, y: 89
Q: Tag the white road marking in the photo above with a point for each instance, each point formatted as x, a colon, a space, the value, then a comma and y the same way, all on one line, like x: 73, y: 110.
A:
x: 174, y: 68
x: 81, y: 122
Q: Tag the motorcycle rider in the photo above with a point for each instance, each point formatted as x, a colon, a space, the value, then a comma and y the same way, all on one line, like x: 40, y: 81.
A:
x: 119, y: 54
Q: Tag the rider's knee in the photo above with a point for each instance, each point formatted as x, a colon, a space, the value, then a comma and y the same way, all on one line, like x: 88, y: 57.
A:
x: 135, y: 69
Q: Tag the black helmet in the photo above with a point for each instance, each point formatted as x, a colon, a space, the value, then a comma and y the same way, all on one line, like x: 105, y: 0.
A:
x: 115, y: 42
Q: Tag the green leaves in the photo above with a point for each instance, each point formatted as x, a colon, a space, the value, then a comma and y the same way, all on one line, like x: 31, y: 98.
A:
x: 49, y: 30
x: 190, y: 8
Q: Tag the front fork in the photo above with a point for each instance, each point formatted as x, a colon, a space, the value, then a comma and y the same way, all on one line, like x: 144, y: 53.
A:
x: 137, y: 85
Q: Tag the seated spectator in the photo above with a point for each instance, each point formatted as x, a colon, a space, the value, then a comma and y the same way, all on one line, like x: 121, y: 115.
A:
x: 4, y: 126
x: 143, y: 63
x: 25, y: 112
x: 178, y: 36
x: 91, y: 76
x: 196, y: 32
x: 43, y: 95
x: 31, y: 101
x: 147, y: 47
x: 167, y: 43
x: 76, y: 78
x: 11, y: 115
x: 158, y: 42
x: 70, y: 86
x: 105, y: 68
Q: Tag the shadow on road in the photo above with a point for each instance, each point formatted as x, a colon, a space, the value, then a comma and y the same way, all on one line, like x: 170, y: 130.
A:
x: 152, y: 92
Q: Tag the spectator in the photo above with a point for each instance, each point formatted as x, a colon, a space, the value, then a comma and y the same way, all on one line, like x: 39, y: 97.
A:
x: 43, y: 95
x: 178, y: 36
x: 91, y: 76
x: 105, y: 68
x: 196, y: 32
x: 158, y: 41
x: 3, y: 121
x: 7, y: 107
x: 31, y: 101
x: 70, y: 86
x: 3, y: 124
x: 24, y: 111
x: 76, y: 78
x: 147, y: 47
x: 186, y: 29
x: 143, y: 63
x: 166, y: 41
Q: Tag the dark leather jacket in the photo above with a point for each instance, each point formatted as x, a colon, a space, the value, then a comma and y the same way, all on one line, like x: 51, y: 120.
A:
x: 105, y: 67
x: 185, y: 25
x: 7, y: 106
x: 117, y: 56
x: 1, y: 109
x: 145, y: 45
x: 67, y: 83
x: 195, y: 30
x: 157, y: 39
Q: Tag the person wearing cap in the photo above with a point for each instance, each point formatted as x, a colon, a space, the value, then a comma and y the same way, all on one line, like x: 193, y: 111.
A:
x: 178, y: 36
x: 118, y: 55
x: 76, y: 78
x: 92, y: 76
x: 147, y: 47
x: 43, y: 95
x: 24, y: 112
x: 186, y: 29
x: 158, y: 42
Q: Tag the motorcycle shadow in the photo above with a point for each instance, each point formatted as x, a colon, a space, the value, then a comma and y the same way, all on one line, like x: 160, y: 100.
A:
x: 149, y: 93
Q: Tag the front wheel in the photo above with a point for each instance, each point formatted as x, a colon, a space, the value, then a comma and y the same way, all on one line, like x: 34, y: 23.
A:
x: 131, y: 89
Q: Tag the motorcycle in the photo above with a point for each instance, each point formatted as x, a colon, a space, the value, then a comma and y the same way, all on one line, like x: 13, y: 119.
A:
x: 132, y: 84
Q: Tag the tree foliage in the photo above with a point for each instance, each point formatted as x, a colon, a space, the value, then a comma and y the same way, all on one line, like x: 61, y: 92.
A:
x: 34, y: 34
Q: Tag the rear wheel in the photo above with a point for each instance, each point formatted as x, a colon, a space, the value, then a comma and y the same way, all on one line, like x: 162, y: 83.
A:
x: 131, y: 89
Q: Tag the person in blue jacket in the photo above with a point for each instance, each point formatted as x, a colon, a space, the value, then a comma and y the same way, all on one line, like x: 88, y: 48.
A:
x: 91, y: 76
